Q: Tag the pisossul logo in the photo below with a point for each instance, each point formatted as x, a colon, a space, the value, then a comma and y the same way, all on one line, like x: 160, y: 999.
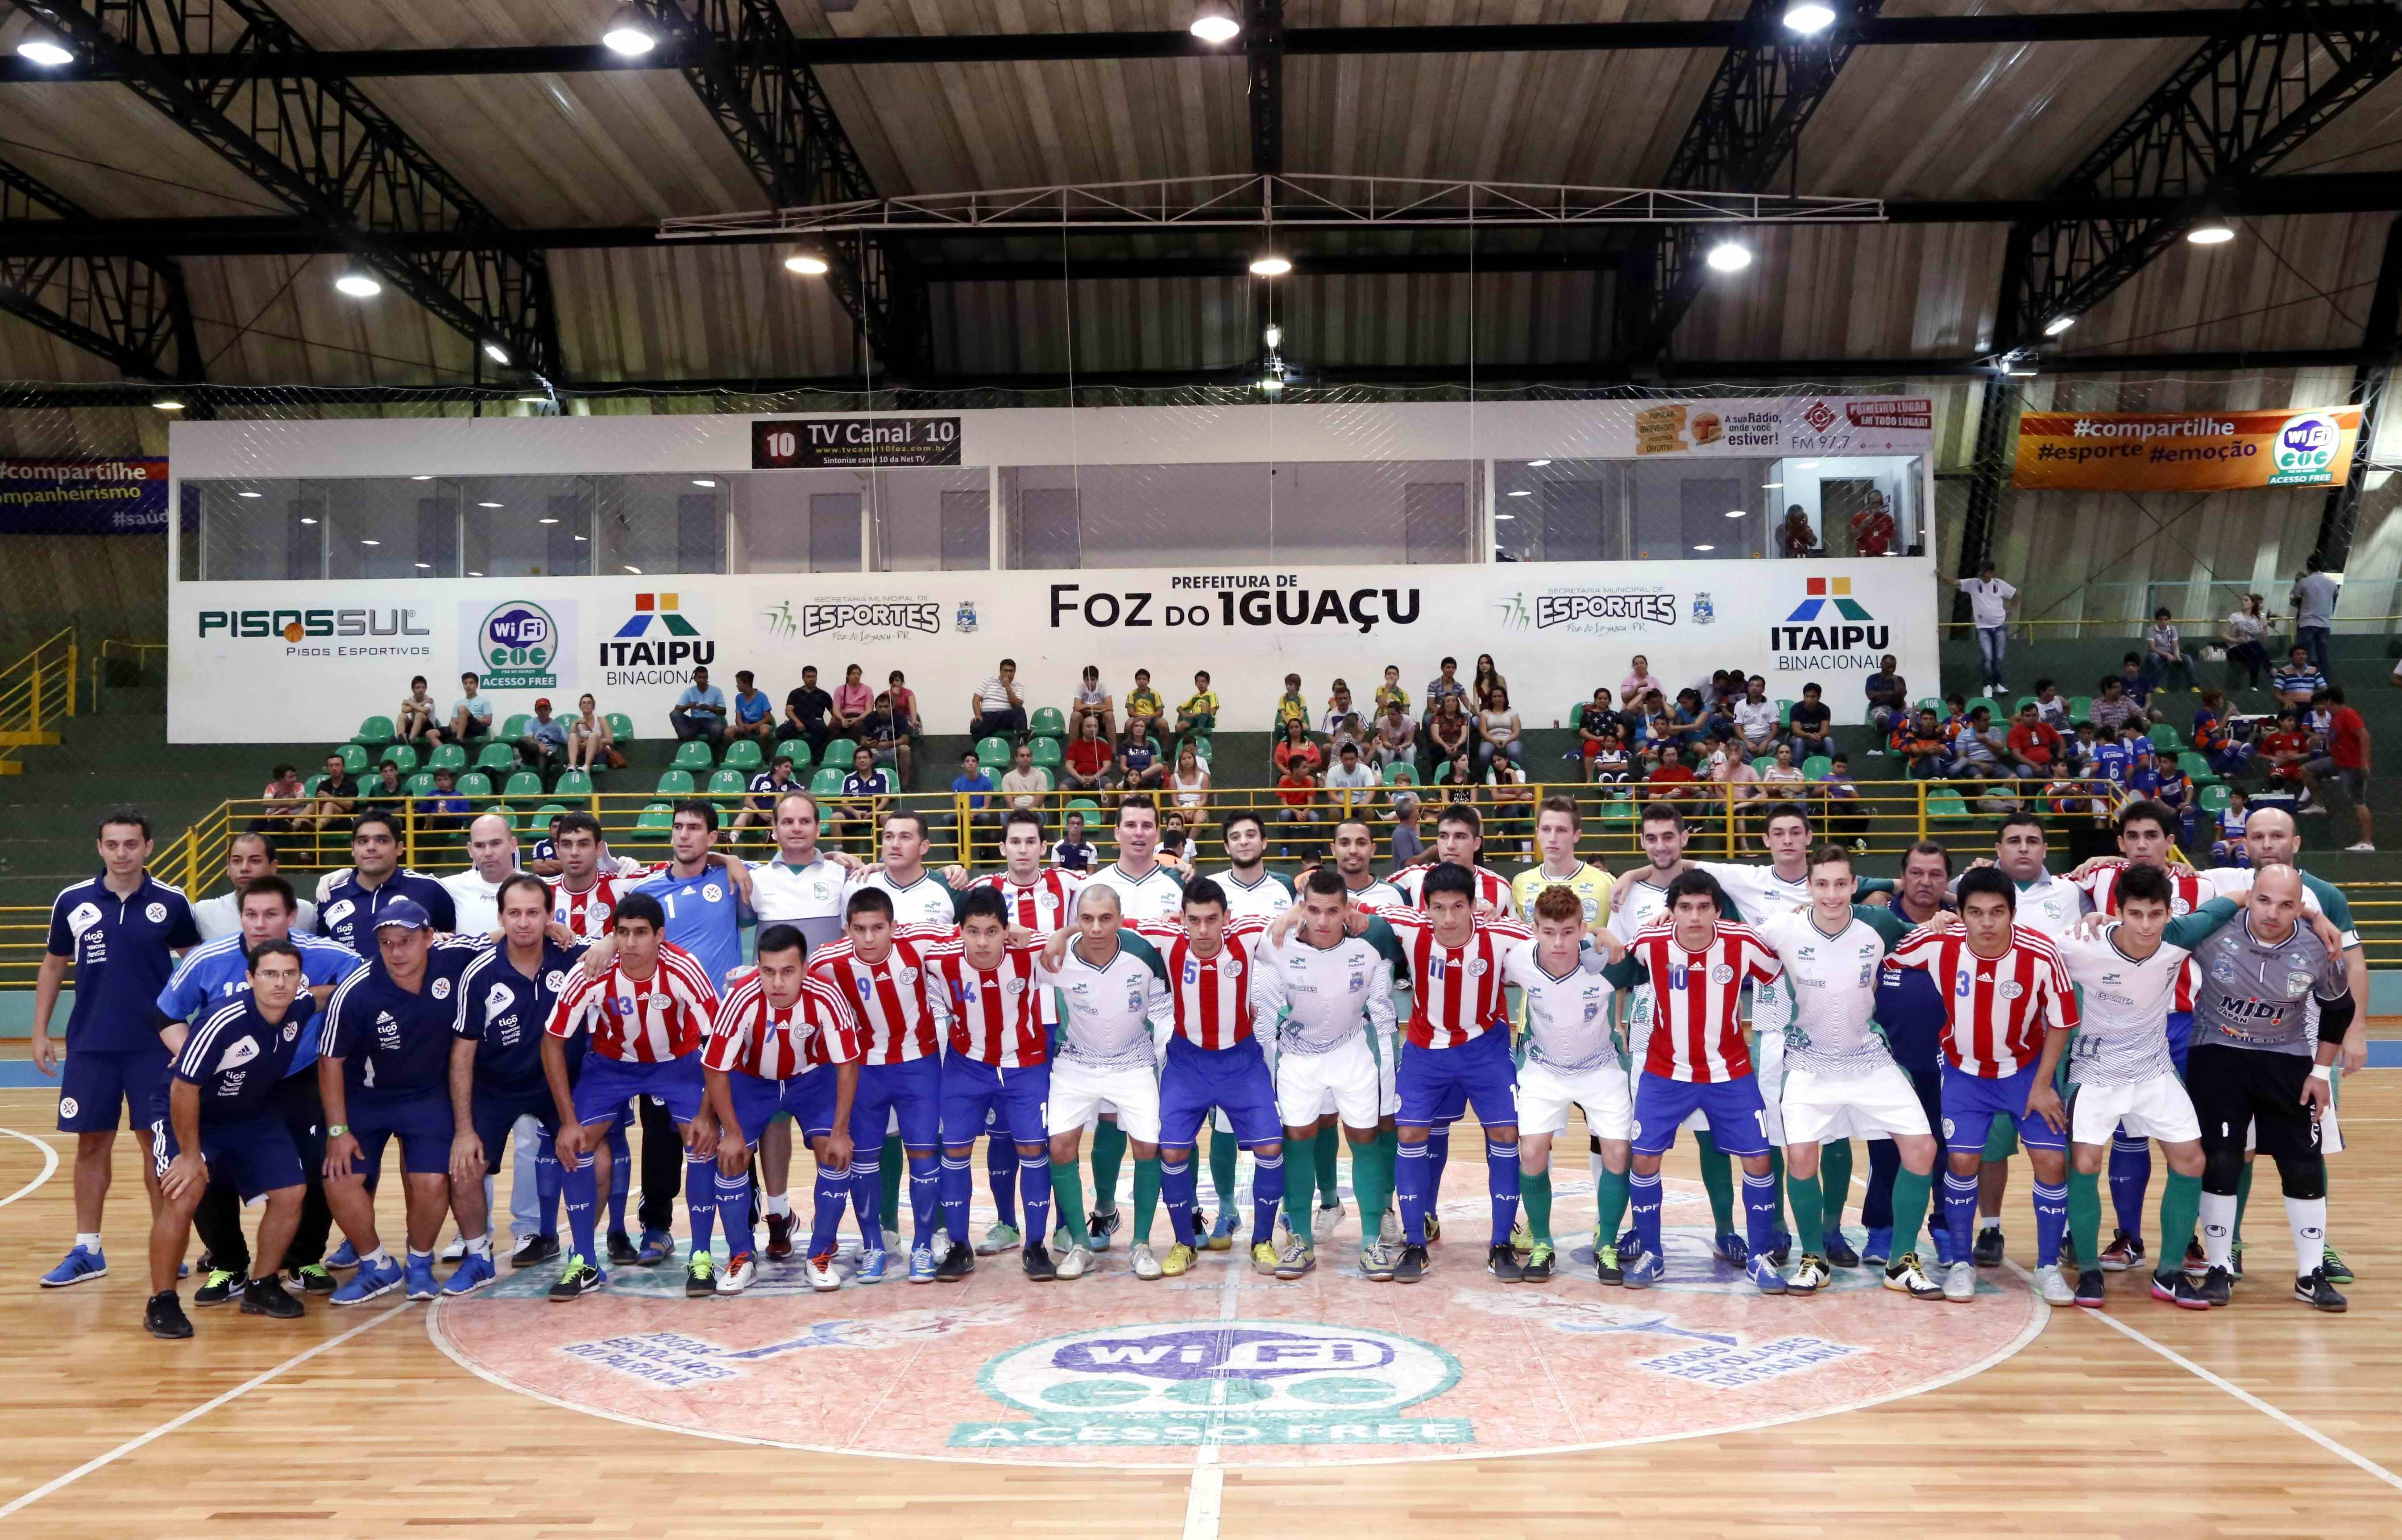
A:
x: 517, y: 646
x: 657, y: 635
x: 295, y: 625
x: 1828, y: 621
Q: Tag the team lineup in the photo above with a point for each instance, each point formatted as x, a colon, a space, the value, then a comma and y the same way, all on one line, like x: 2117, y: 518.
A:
x: 892, y: 1014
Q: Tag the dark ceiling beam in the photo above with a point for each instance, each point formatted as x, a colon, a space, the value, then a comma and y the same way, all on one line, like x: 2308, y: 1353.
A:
x: 132, y: 311
x: 1040, y: 47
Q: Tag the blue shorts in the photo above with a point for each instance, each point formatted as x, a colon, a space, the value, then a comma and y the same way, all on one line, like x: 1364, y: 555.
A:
x: 494, y: 1113
x: 1971, y: 1102
x: 419, y: 1119
x: 1737, y: 1117
x: 255, y: 1154
x: 914, y: 1090
x: 2180, y: 1038
x: 807, y: 1099
x: 979, y: 1098
x: 1234, y: 1080
x: 604, y: 1085
x: 94, y: 1083
x: 1432, y: 1079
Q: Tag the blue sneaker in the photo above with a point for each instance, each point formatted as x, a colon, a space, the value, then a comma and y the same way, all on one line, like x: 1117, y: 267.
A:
x: 474, y: 1271
x: 1879, y: 1249
x: 1839, y: 1252
x: 1644, y: 1271
x: 367, y: 1283
x: 420, y: 1278
x: 1222, y: 1234
x: 921, y: 1265
x: 80, y: 1266
x: 1728, y: 1248
x: 657, y: 1246
x: 871, y: 1267
x: 345, y: 1255
x: 1764, y: 1276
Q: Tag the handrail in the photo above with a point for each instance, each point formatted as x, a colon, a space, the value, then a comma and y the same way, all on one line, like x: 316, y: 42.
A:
x: 37, y: 690
x: 103, y: 652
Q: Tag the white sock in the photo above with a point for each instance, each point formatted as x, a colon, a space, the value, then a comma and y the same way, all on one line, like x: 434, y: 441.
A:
x: 414, y: 1255
x: 1988, y: 1221
x: 2307, y: 1218
x: 2218, y: 1228
x: 780, y: 1204
x: 373, y: 1259
x: 480, y: 1245
x: 89, y: 1243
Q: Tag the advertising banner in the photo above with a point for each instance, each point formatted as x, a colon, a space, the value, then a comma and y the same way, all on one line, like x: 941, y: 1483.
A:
x: 1794, y: 424
x: 2185, y: 451
x: 83, y: 496
x: 853, y: 443
x: 328, y: 653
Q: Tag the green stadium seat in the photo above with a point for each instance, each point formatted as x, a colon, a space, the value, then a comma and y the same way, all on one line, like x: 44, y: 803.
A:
x: 657, y: 818
x: 993, y: 754
x: 501, y: 809
x: 574, y: 783
x: 1785, y: 715
x: 693, y: 754
x: 797, y: 750
x: 2080, y: 709
x: 1046, y: 722
x: 2198, y: 769
x: 1576, y: 715
x: 1763, y: 764
x: 310, y: 785
x: 2024, y: 702
x: 403, y: 755
x: 674, y: 783
x: 1085, y: 805
x: 2165, y: 736
x: 827, y: 782
x: 1933, y: 703
x: 354, y: 758
x: 420, y: 784
x: 374, y: 732
x: 2215, y: 796
x: 840, y: 750
x: 549, y: 810
x: 724, y: 784
x: 476, y: 785
x: 498, y: 758
x: 1618, y: 809
x: 1047, y: 752
x: 527, y: 784
x: 1401, y: 772
x: 1816, y: 765
x: 1943, y: 803
x: 621, y: 727
x: 449, y: 757
x: 515, y: 727
x: 743, y: 754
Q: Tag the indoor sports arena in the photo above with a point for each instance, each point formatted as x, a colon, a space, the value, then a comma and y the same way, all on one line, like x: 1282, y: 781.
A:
x: 850, y: 740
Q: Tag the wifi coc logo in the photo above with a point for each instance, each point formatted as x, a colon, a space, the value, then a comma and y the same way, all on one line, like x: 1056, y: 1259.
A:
x: 517, y: 646
x: 2305, y: 450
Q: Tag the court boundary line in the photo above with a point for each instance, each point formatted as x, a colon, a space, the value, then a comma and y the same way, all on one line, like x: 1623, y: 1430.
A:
x: 180, y: 1420
x: 2266, y: 1408
x: 50, y: 1165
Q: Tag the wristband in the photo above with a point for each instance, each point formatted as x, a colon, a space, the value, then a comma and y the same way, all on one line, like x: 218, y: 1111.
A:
x: 2321, y: 1072
x: 335, y: 1130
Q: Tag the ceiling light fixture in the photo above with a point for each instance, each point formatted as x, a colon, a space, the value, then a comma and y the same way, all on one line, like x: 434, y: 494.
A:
x: 358, y: 284
x: 474, y: 575
x: 306, y: 520
x: 629, y: 32
x: 496, y: 352
x: 806, y: 266
x: 1521, y: 492
x: 702, y: 481
x: 2212, y: 231
x: 421, y: 479
x: 1771, y: 486
x: 1213, y: 22
x: 1729, y: 257
x: 1538, y: 464
x: 1736, y: 513
x: 636, y: 571
x: 370, y: 542
x: 1270, y: 266
x: 2058, y: 324
x: 249, y: 494
x: 1506, y: 518
x: 1705, y: 547
x: 1273, y: 336
x: 545, y: 521
x: 166, y: 403
x: 44, y: 51
x: 425, y: 566
x: 488, y: 505
x: 1808, y: 17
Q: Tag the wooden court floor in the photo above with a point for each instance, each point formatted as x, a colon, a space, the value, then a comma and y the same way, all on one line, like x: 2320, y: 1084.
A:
x: 2261, y: 1419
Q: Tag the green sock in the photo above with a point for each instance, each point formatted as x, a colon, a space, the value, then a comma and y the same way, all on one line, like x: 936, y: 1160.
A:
x: 1301, y: 1155
x: 2085, y: 1215
x: 1068, y: 1201
x: 1776, y: 1176
x: 1108, y: 1159
x: 1371, y: 1182
x: 1807, y: 1200
x: 1717, y: 1180
x: 2243, y: 1196
x: 1835, y: 1181
x: 2180, y: 1210
x: 1146, y: 1195
x: 895, y: 1166
x: 1911, y: 1192
x: 1535, y: 1194
x: 1222, y: 1150
x: 1330, y: 1175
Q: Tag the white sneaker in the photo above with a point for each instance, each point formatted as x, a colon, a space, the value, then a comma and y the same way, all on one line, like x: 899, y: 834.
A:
x: 893, y: 1244
x: 1146, y: 1265
x: 1960, y: 1284
x: 1810, y: 1277
x: 736, y: 1275
x: 456, y: 1249
x: 821, y: 1273
x: 1074, y: 1262
x: 2361, y: 849
x: 1329, y: 1215
x: 2053, y: 1287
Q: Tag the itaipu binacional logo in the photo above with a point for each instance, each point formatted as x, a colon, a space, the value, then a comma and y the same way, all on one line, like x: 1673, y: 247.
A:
x: 517, y: 646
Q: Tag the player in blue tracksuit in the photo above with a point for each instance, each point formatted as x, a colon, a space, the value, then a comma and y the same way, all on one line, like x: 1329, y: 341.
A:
x: 1910, y: 1007
x: 347, y: 913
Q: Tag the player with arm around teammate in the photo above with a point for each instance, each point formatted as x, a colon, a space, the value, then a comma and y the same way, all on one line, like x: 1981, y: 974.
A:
x: 1571, y: 1057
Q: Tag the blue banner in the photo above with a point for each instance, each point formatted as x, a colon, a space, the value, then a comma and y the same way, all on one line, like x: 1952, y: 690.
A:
x: 83, y: 496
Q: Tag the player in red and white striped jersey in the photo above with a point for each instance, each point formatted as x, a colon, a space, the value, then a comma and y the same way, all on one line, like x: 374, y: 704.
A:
x: 1459, y: 840
x: 1456, y: 986
x: 1696, y: 1030
x: 582, y: 896
x: 651, y: 1019
x: 1999, y: 1006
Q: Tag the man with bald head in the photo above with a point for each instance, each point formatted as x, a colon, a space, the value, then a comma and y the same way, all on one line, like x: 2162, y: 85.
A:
x: 492, y: 857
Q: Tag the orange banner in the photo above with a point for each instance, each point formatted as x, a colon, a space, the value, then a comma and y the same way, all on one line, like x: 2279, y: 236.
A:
x: 2185, y: 451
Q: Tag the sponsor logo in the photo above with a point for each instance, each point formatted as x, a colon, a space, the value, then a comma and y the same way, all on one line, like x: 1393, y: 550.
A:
x: 517, y: 646
x: 296, y: 625
x: 1828, y: 630
x: 1730, y: 1366
x: 83, y: 917
x: 237, y: 1053
x: 1590, y: 611
x: 1257, y: 599
x: 2305, y: 449
x: 69, y: 1106
x: 657, y: 645
x: 1819, y: 415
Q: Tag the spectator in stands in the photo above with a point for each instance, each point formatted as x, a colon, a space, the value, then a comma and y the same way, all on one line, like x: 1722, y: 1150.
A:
x: 1177, y: 846
x: 2245, y: 631
x: 1448, y: 734
x: 287, y: 800
x: 1145, y: 702
x: 1977, y: 750
x: 1289, y: 706
x: 1656, y: 723
x: 1457, y: 778
x: 2227, y: 849
x: 2137, y: 684
x: 1197, y: 718
x: 471, y: 714
x: 2213, y: 735
x: 1390, y: 693
x: 1484, y: 681
x: 877, y: 733
x: 1811, y: 723
x: 1446, y: 685
x: 759, y: 797
x: 2345, y: 761
x: 2052, y: 707
x: 1092, y: 701
x: 1639, y: 683
x: 443, y: 810
x: 2314, y: 601
x: 1073, y: 852
x: 1351, y: 774
x: 805, y: 713
x: 1609, y: 760
x: 1513, y: 804
x: 1296, y: 789
x: 699, y: 712
x: 1396, y: 734
x: 1297, y: 749
x: 2033, y: 745
x: 544, y: 742
x: 2082, y: 748
x: 1189, y: 785
x: 2112, y: 710
x: 1844, y: 818
x: 973, y: 783
x: 1667, y: 776
x: 1339, y: 706
x: 1088, y: 762
x: 2164, y: 658
x: 415, y: 719
x: 908, y: 726
x: 1783, y: 774
x: 1925, y: 747
x: 1138, y: 763
x: 2283, y: 752
x: 1888, y: 695
x: 1874, y: 530
x: 1990, y: 602
x: 1601, y: 713
x: 1407, y: 843
x: 1794, y: 537
x: 2298, y: 681
x: 1731, y: 768
x: 754, y: 713
x: 1501, y: 734
x: 337, y: 794
x: 860, y: 790
x: 1755, y: 716
x: 998, y: 710
x: 250, y: 857
x: 852, y: 702
x: 1693, y: 720
x: 589, y: 741
x: 388, y: 791
x: 1024, y: 783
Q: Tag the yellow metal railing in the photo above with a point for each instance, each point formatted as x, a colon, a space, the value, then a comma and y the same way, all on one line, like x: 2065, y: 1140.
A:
x: 37, y: 692
x: 111, y: 647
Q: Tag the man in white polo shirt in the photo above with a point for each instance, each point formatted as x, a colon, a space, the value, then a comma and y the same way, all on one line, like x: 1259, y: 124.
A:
x: 1990, y: 601
x: 248, y: 857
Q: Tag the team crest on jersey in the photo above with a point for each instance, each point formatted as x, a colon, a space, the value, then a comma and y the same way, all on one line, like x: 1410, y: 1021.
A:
x: 2296, y: 985
x: 1722, y: 973
x: 291, y: 1031
x: 712, y: 892
x: 2010, y: 988
x: 1012, y: 986
x: 156, y: 914
x: 555, y: 980
x: 442, y: 989
x: 68, y: 1106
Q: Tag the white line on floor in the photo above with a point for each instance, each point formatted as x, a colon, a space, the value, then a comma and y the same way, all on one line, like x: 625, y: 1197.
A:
x: 49, y: 1164
x: 1204, y: 1500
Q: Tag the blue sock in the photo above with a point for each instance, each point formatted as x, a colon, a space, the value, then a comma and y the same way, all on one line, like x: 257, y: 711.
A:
x: 734, y: 1211
x: 925, y: 1197
x: 1412, y: 1169
x: 579, y: 1187
x: 1437, y: 1157
x: 1034, y: 1193
x: 1643, y: 1199
x: 621, y: 1178
x: 1178, y: 1190
x: 825, y: 1221
x: 2130, y: 1178
x: 1759, y: 1213
x: 1267, y: 1193
x: 1001, y: 1173
x: 699, y: 1178
x: 2051, y: 1219
x: 1501, y: 1185
x: 1960, y: 1212
x: 545, y: 1185
x: 958, y: 1186
x: 867, y: 1195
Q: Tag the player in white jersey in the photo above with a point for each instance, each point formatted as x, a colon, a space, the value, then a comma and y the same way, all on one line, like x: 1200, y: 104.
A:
x: 1327, y: 997
x: 1355, y: 859
x: 1252, y: 892
x: 1354, y: 847
x: 1112, y: 986
x: 1571, y: 1057
x: 919, y: 896
x: 1840, y: 1081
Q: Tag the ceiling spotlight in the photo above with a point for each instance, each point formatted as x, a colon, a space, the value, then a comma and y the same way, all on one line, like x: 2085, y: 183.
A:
x: 629, y: 32
x: 545, y: 521
x: 1736, y: 513
x: 1729, y: 257
x: 249, y: 494
x: 1808, y: 17
x: 421, y: 479
x: 1270, y: 266
x: 1506, y: 518
x: 496, y: 352
x: 702, y: 481
x: 488, y: 505
x: 1273, y: 335
x: 806, y: 266
x: 636, y: 571
x: 308, y: 520
x: 425, y: 566
x: 2212, y: 231
x: 47, y: 52
x: 1520, y: 492
x: 358, y: 284
x: 474, y: 575
x: 1705, y: 547
x: 2058, y: 324
x: 370, y: 542
x: 1213, y: 22
x: 1273, y: 384
x: 1539, y: 462
x: 166, y: 403
x: 579, y: 537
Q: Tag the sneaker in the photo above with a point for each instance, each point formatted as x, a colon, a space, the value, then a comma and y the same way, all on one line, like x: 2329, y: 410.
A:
x: 2195, y: 1262
x: 820, y: 1271
x: 2181, y: 1289
x: 1810, y: 1276
x: 1036, y: 1259
x: 456, y: 1249
x: 1433, y: 1226
x: 1501, y: 1261
x: 701, y: 1276
x: 1412, y: 1265
x: 1645, y: 1271
x: 1540, y: 1261
x: 1782, y: 1252
x: 311, y: 1277
x: 2235, y: 1260
x: 621, y: 1248
x: 1222, y: 1234
x: 2217, y: 1287
x: 1144, y: 1261
x: 1764, y: 1276
x: 1988, y: 1252
x: 780, y: 1236
x: 1102, y: 1224
x: 472, y: 1274
x: 922, y: 1266
x: 2362, y: 848
x: 220, y: 1285
x: 1075, y: 1263
x: 1839, y: 1252
x: 1906, y: 1274
x: 2123, y: 1252
x: 2316, y: 1292
x: 2338, y: 1271
x: 420, y: 1278
x: 1860, y: 846
x: 1295, y: 1260
x: 367, y: 1283
x: 1521, y: 1238
x: 657, y: 1246
x: 1960, y: 1282
x: 2052, y: 1286
x: 998, y: 1238
x: 1178, y: 1260
x: 1730, y: 1248
x: 534, y: 1250
x: 2091, y: 1295
x: 2310, y: 810
x: 1605, y: 1266
x: 1329, y: 1215
x: 871, y: 1265
x: 81, y: 1265
x: 1376, y: 1263
x: 163, y: 1316
x: 740, y: 1269
x: 956, y: 1263
x: 1264, y: 1259
x: 575, y: 1279
x: 345, y: 1257
x: 1877, y: 1250
x: 268, y: 1297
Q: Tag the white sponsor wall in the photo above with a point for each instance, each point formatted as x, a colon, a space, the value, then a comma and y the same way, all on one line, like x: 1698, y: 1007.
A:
x: 283, y: 661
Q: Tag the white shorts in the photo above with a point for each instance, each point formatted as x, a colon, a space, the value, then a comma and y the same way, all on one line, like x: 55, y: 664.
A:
x: 1081, y: 1092
x: 1768, y: 1063
x: 1819, y: 1109
x: 2157, y: 1108
x: 1343, y: 1080
x: 1544, y: 1094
